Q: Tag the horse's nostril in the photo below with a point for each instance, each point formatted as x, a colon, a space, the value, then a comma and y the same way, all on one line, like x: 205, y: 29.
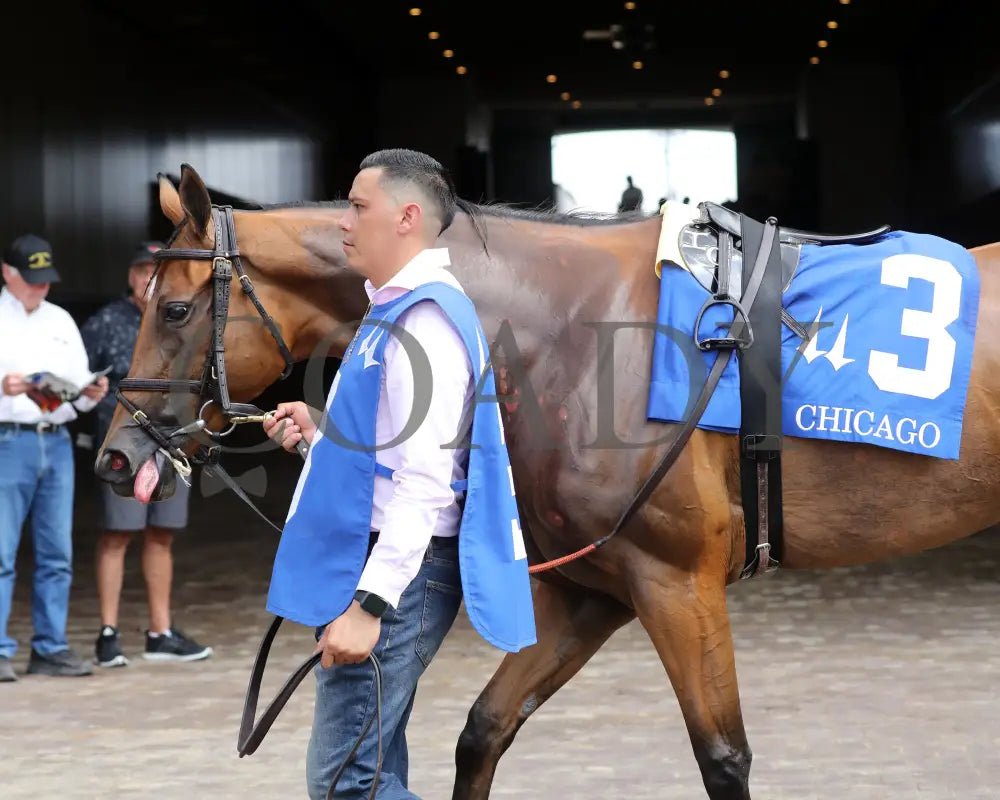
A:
x: 118, y: 462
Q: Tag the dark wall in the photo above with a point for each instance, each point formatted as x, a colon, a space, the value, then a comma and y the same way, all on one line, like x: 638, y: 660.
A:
x: 958, y: 159
x: 521, y: 151
x: 93, y: 110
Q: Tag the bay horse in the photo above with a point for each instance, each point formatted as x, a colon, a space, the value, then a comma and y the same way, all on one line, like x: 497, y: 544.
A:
x: 545, y: 277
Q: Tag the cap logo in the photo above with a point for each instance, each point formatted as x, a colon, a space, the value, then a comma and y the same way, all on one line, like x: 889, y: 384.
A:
x: 40, y: 260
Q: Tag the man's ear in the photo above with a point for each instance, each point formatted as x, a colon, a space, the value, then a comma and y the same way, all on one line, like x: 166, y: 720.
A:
x: 411, y: 217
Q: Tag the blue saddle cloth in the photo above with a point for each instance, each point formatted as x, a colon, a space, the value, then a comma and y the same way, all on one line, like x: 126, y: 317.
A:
x: 894, y: 326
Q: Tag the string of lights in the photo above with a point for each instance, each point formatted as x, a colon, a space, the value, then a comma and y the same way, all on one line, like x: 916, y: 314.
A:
x: 821, y: 44
x: 435, y: 36
x: 714, y: 95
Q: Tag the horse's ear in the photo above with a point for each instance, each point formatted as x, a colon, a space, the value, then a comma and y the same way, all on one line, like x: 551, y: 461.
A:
x: 195, y: 201
x: 170, y: 201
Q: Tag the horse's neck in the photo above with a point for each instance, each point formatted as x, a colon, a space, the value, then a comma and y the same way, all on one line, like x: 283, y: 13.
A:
x: 534, y: 277
x: 548, y: 281
x: 314, y: 295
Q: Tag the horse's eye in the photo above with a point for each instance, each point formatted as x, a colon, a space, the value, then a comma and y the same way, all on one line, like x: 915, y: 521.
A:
x: 176, y: 312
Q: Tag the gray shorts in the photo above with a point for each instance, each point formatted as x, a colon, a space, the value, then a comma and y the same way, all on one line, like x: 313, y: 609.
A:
x: 128, y: 514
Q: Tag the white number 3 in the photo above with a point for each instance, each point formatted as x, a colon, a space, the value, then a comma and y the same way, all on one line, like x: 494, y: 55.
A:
x: 934, y: 379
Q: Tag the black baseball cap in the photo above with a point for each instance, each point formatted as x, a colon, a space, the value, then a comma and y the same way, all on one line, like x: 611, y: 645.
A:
x: 32, y: 256
x: 143, y: 254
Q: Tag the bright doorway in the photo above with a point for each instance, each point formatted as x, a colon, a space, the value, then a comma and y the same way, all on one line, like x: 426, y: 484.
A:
x: 589, y: 168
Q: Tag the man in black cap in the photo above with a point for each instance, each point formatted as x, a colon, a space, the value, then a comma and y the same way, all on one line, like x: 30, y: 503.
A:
x: 36, y: 454
x: 109, y: 336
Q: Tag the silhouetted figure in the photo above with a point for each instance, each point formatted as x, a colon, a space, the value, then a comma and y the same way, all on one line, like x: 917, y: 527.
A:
x: 631, y: 197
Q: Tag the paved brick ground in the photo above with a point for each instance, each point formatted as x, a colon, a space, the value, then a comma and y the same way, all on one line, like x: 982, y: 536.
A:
x: 863, y: 683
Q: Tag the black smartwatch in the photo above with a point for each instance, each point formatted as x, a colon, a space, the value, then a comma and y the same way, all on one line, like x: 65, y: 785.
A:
x: 371, y: 603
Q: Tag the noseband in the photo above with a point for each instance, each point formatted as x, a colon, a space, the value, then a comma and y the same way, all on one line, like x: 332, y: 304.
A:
x: 213, y: 386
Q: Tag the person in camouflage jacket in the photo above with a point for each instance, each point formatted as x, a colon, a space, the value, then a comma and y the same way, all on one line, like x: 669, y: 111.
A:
x: 109, y: 336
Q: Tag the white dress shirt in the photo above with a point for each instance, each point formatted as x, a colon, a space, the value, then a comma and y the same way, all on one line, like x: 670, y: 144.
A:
x: 44, y: 340
x: 418, y: 502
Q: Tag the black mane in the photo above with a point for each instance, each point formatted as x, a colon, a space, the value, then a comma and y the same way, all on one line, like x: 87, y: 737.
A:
x: 477, y: 212
x: 503, y: 210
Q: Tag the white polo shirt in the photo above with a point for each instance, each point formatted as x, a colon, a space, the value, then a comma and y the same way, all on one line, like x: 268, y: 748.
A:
x: 44, y: 340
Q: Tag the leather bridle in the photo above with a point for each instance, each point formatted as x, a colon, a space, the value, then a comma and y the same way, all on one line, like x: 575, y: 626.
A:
x: 213, y: 386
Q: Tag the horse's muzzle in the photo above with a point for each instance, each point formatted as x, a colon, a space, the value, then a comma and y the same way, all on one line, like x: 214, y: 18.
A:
x: 134, y: 467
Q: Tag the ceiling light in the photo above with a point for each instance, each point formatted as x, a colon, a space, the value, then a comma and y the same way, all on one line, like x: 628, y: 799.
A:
x: 814, y: 60
x: 822, y: 43
x: 832, y: 25
x: 576, y: 104
x: 617, y: 44
x: 630, y: 6
x: 845, y: 2
x: 433, y: 35
x: 551, y: 79
x: 461, y: 70
x: 564, y: 96
x: 716, y: 92
x: 448, y: 53
x: 723, y: 73
x: 415, y: 12
x: 636, y: 65
x: 709, y: 101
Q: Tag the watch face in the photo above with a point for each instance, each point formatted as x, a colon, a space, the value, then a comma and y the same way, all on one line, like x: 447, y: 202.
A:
x: 374, y: 604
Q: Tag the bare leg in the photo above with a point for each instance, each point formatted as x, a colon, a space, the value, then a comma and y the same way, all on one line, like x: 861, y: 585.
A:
x: 111, y: 547
x: 571, y: 625
x: 686, y: 618
x: 158, y: 570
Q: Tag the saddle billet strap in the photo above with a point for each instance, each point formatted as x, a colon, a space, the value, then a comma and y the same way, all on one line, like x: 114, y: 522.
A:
x: 252, y: 732
x: 760, y: 400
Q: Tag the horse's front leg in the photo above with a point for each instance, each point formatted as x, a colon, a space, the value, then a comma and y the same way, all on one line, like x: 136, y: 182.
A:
x: 571, y: 625
x: 685, y: 614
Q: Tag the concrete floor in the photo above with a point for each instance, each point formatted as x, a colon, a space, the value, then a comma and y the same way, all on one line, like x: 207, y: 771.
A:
x: 863, y: 683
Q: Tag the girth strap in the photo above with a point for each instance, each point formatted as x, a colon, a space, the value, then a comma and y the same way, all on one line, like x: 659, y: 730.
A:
x: 760, y: 399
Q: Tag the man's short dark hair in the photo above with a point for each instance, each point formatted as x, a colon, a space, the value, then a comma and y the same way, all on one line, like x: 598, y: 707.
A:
x: 423, y: 171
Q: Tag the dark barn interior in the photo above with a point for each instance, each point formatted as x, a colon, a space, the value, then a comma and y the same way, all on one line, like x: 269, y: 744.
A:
x: 847, y: 114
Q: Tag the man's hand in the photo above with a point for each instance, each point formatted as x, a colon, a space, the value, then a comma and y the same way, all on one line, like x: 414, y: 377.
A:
x: 15, y: 383
x: 97, y: 389
x: 350, y: 638
x: 290, y: 424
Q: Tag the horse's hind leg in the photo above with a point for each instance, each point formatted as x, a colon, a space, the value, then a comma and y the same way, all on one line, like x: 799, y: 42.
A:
x: 571, y: 625
x: 685, y: 616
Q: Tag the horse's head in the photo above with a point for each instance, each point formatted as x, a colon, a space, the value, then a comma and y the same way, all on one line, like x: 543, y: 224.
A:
x: 177, y: 376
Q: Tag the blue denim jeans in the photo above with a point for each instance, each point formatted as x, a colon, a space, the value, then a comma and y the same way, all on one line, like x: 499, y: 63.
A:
x: 36, y: 479
x: 345, y: 695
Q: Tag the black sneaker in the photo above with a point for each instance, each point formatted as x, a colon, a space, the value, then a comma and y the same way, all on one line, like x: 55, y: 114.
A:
x: 6, y: 670
x: 108, y: 648
x: 174, y: 646
x: 64, y: 664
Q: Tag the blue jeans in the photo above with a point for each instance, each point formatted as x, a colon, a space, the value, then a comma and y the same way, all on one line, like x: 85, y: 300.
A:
x: 36, y: 479
x: 345, y: 695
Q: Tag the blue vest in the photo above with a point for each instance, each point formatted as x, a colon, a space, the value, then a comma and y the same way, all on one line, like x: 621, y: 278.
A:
x: 324, y: 544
